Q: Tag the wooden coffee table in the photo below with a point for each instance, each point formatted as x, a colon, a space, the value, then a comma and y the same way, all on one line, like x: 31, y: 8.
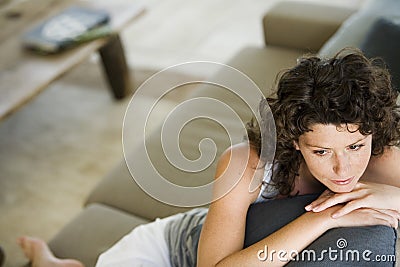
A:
x: 24, y: 74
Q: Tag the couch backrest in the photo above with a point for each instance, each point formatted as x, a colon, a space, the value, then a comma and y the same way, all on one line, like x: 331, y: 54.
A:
x: 354, y: 30
x: 120, y: 190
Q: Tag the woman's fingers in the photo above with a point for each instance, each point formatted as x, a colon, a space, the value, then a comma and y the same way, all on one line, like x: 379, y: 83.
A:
x: 333, y: 199
x: 323, y: 197
x: 349, y: 207
x: 366, y: 197
x: 392, y: 213
x: 359, y: 197
x: 389, y: 216
x: 367, y: 217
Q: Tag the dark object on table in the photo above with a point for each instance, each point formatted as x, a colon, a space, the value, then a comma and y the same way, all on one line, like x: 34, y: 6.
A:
x: 70, y: 27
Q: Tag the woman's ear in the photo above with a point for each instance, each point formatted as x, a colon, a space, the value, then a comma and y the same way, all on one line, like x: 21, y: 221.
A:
x: 296, y: 145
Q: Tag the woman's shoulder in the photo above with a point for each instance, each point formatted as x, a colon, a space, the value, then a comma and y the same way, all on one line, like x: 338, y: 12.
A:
x: 240, y: 155
x: 239, y: 168
x: 384, y: 168
x: 390, y: 155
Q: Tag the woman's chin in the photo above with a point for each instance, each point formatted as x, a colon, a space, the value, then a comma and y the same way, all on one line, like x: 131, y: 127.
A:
x: 342, y: 189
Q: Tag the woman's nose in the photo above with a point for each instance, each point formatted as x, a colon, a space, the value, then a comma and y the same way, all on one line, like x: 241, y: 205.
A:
x: 341, y: 165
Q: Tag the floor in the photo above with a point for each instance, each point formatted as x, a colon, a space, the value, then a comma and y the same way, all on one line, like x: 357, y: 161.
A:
x: 54, y: 150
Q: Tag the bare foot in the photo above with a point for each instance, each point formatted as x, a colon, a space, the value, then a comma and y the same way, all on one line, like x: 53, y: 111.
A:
x: 37, y: 251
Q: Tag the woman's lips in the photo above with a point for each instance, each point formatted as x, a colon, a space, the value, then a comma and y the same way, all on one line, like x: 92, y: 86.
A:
x: 343, y: 182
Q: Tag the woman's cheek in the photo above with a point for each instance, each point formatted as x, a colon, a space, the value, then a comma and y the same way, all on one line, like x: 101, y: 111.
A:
x: 319, y: 167
x: 361, y: 161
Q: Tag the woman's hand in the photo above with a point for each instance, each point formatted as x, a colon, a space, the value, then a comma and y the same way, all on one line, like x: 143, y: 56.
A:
x: 362, y: 217
x: 380, y: 197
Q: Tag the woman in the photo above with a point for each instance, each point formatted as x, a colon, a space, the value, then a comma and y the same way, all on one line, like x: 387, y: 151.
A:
x: 337, y: 128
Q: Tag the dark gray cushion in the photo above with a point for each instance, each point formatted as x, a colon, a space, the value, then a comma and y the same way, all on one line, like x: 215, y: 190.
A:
x: 354, y: 29
x: 383, y: 40
x: 267, y: 217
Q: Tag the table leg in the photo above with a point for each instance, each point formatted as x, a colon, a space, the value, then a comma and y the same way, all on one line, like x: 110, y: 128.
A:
x: 115, y: 67
x: 2, y: 256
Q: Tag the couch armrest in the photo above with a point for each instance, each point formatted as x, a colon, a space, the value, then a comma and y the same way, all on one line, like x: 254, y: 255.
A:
x: 303, y: 25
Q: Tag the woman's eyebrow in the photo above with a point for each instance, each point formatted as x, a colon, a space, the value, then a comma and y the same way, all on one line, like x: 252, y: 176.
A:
x: 322, y: 147
x: 361, y: 139
x: 311, y: 145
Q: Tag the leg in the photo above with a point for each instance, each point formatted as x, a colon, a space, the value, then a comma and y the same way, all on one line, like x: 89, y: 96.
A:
x: 37, y: 251
x: 115, y: 67
x: 145, y: 245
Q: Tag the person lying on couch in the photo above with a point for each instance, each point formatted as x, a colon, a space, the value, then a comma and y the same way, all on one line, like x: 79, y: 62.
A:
x: 338, y: 127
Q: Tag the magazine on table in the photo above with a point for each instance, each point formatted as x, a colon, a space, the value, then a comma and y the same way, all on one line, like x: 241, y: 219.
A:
x: 67, y: 29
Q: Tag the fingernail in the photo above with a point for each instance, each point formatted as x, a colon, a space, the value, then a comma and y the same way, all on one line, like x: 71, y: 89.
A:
x: 317, y: 208
x: 335, y: 215
x: 308, y: 207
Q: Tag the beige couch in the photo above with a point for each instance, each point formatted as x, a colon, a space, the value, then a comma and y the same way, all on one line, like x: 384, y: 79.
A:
x: 117, y: 204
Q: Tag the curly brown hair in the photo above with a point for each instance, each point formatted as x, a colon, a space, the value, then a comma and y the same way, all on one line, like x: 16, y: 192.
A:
x: 345, y: 89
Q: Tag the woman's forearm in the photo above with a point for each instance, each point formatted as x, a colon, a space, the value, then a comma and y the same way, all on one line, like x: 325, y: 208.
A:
x: 278, y: 248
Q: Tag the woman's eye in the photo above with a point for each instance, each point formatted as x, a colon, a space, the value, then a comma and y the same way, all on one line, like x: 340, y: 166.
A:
x: 355, y: 147
x: 320, y: 152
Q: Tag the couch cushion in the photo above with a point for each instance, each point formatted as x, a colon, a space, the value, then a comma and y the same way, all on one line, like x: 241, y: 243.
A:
x: 91, y: 232
x: 353, y: 30
x: 263, y: 64
x: 267, y: 217
x: 383, y: 40
x: 304, y: 25
x: 119, y: 190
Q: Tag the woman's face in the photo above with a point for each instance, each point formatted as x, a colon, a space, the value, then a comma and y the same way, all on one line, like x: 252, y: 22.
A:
x: 335, y: 156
